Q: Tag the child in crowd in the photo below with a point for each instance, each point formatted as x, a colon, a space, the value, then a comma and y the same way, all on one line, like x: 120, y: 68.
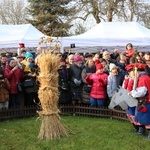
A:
x: 112, y: 80
x: 98, y: 81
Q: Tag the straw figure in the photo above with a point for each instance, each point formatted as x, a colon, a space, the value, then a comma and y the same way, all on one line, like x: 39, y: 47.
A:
x: 51, y: 127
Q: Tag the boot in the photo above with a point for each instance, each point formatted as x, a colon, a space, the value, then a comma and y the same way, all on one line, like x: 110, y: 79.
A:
x: 141, y: 130
x: 135, y: 128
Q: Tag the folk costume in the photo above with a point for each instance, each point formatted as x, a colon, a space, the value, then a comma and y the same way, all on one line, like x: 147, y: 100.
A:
x: 142, y: 94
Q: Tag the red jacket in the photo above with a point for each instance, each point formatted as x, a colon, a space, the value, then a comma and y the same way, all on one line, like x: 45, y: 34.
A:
x: 14, y: 78
x: 130, y: 52
x: 99, y: 84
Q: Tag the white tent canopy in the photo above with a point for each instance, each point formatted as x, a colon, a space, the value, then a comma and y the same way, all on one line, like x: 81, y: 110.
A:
x: 12, y: 35
x: 111, y: 35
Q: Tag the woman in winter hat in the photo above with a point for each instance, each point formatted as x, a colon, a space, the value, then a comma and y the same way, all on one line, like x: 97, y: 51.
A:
x: 76, y: 83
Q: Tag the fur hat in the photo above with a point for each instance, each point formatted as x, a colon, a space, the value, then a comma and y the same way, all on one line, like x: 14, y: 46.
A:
x: 77, y: 58
x: 112, y: 66
x: 99, y: 66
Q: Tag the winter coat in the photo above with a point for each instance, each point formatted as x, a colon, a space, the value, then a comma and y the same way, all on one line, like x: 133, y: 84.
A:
x: 64, y: 83
x: 75, y: 73
x: 130, y: 52
x: 76, y: 83
x: 4, y: 90
x: 111, y: 85
x: 99, y: 84
x: 14, y: 78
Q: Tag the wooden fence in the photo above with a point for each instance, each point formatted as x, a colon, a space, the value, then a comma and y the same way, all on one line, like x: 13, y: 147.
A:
x: 78, y: 110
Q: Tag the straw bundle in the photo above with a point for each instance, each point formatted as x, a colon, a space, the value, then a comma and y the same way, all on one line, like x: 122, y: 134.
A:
x: 51, y: 127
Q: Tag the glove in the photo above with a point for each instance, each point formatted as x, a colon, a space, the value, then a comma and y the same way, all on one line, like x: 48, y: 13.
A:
x: 77, y: 82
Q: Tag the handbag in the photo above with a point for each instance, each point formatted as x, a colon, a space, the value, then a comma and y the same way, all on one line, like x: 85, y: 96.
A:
x: 28, y: 83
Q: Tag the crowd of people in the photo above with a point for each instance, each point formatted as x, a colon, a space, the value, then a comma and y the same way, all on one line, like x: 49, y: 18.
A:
x: 90, y: 78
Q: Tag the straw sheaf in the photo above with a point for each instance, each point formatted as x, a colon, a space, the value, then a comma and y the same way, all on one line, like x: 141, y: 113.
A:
x: 48, y: 78
x: 51, y: 127
x: 47, y: 98
x: 48, y: 62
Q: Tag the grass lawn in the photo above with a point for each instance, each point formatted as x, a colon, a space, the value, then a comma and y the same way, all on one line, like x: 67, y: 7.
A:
x: 87, y: 134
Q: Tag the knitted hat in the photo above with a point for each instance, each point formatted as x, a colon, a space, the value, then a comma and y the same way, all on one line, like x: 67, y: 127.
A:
x: 9, y: 60
x: 112, y: 66
x: 28, y: 54
x: 77, y: 58
x: 97, y: 62
x: 99, y: 66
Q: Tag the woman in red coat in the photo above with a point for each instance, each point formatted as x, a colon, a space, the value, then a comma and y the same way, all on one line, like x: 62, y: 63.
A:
x: 98, y: 81
x: 14, y: 74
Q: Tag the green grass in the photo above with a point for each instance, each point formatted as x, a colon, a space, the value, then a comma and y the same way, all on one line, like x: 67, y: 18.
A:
x: 87, y: 134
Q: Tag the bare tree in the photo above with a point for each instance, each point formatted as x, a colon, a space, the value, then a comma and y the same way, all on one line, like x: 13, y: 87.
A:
x: 99, y: 9
x: 114, y: 10
x: 134, y: 10
x: 12, y: 12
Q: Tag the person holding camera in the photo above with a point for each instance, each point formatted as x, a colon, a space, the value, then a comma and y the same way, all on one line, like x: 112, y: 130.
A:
x: 14, y: 74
